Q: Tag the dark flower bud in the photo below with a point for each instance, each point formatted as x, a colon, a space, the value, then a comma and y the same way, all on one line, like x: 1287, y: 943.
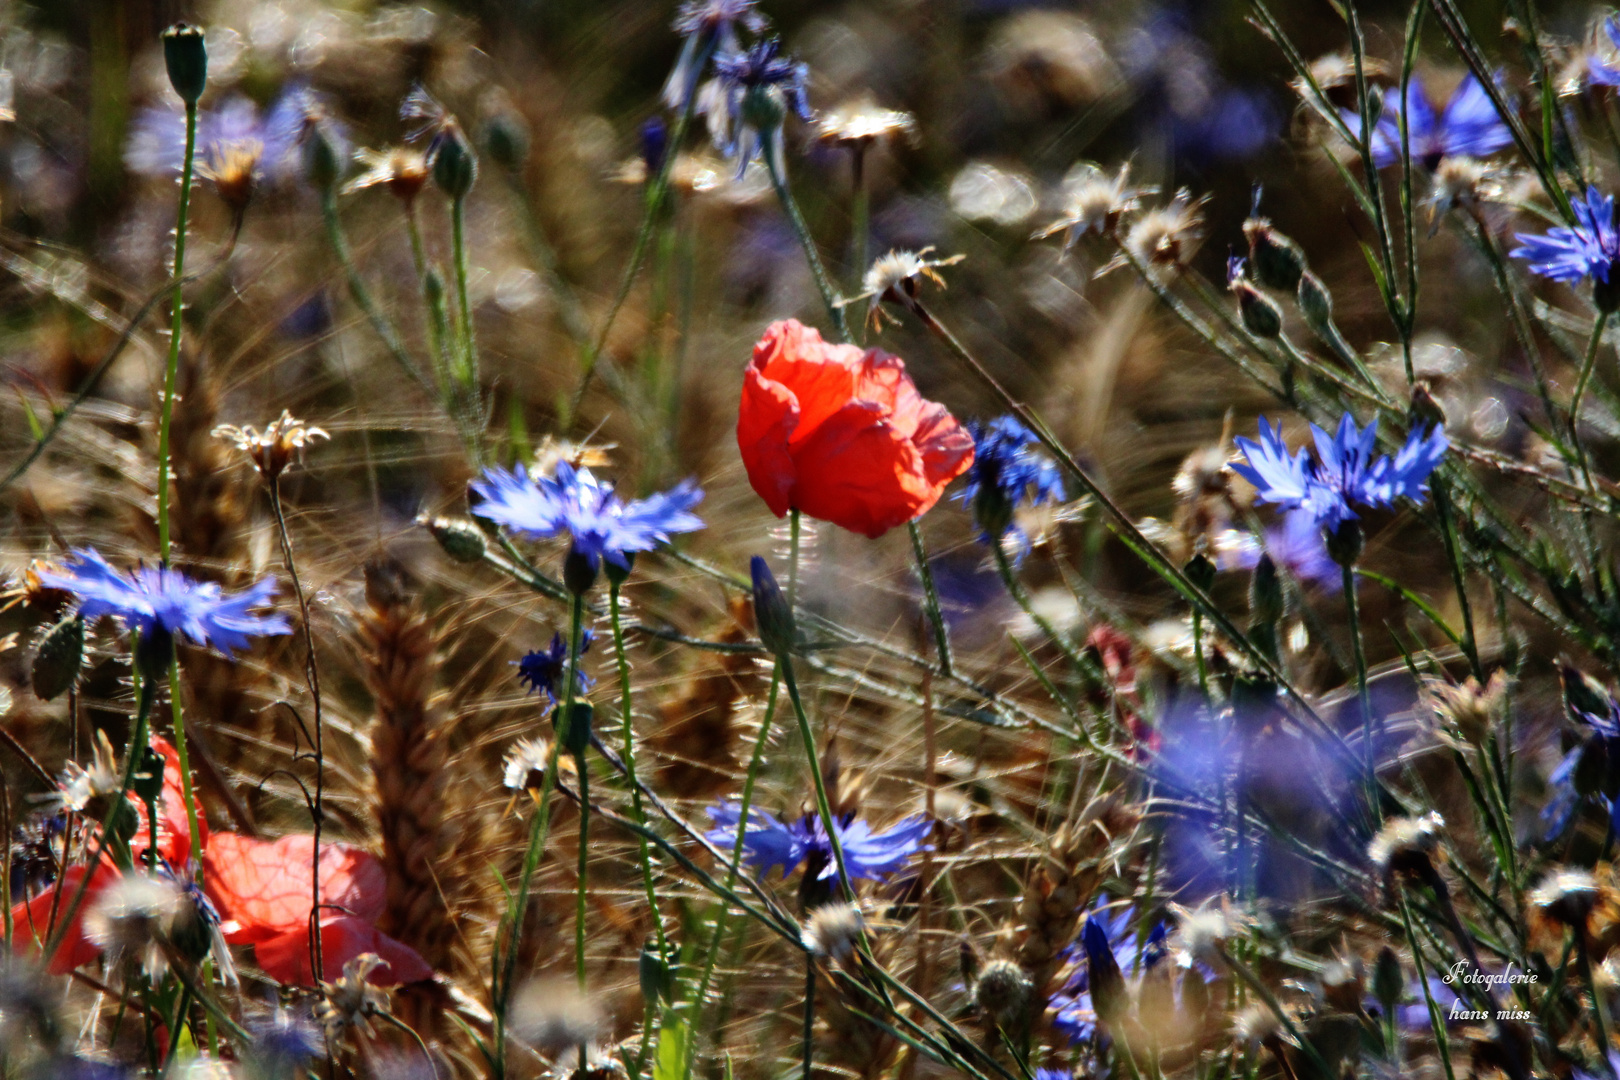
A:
x: 186, y: 56
x: 153, y: 652
x: 1265, y: 593
x: 1109, y: 995
x: 1424, y: 412
x: 657, y: 980
x: 1388, y: 982
x: 654, y: 145
x: 1583, y: 695
x: 461, y: 539
x: 1315, y: 302
x: 148, y: 781
x: 192, y: 934
x: 323, y: 163
x: 1375, y: 107
x: 575, y: 733
x: 1002, y: 992
x: 1200, y: 571
x: 1345, y: 542
x: 772, y: 615
x: 1278, y: 262
x: 506, y: 140
x: 579, y: 573
x: 1606, y: 294
x: 59, y: 658
x: 617, y: 575
x: 455, y: 166
x: 1261, y: 315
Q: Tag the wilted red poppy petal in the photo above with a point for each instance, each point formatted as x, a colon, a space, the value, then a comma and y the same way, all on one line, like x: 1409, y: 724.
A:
x: 263, y: 888
x: 285, y: 958
x: 868, y: 477
x: 174, y: 827
x: 31, y: 919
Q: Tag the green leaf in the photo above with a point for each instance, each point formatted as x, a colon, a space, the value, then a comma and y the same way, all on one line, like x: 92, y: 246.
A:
x: 673, y: 1035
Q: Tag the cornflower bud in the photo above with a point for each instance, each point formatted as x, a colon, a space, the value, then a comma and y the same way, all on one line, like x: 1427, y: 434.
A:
x: 1278, y: 262
x: 772, y: 615
x: 59, y: 658
x: 186, y: 56
x: 455, y: 166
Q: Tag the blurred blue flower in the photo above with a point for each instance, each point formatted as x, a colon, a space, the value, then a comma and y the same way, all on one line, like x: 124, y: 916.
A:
x: 1589, y: 249
x: 706, y: 27
x: 1049, y: 1073
x: 600, y: 524
x: 869, y: 855
x: 1104, y: 938
x: 1344, y: 473
x: 1563, y: 797
x: 1294, y: 542
x: 1601, y: 74
x: 751, y: 94
x: 1005, y: 473
x: 282, y: 1045
x: 542, y: 669
x: 160, y: 600
x: 1468, y: 126
x: 157, y: 138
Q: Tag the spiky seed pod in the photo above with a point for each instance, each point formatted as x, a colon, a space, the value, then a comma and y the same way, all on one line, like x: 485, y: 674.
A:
x: 845, y: 1039
x: 408, y: 761
x: 58, y: 658
x: 1003, y: 992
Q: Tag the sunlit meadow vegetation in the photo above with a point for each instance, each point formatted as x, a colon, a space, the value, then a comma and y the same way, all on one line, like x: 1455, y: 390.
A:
x: 738, y: 538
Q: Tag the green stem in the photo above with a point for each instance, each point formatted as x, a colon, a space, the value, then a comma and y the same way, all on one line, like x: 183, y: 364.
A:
x: 809, y: 1013
x: 468, y: 352
x: 823, y: 804
x: 1363, y: 695
x: 361, y: 294
x: 171, y: 370
x: 1587, y: 364
x: 936, y: 619
x: 579, y: 893
x: 1600, y: 1010
x: 784, y: 195
x: 860, y: 217
x: 630, y: 769
x: 1436, y: 1024
x: 433, y: 301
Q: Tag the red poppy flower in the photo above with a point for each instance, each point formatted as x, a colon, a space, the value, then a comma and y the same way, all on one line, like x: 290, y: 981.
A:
x: 843, y: 435
x: 286, y: 958
x: 31, y: 919
x: 174, y: 827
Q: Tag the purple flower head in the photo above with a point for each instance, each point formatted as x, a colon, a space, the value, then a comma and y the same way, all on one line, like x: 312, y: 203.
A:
x: 1294, y: 542
x: 1005, y: 473
x: 752, y: 92
x: 543, y: 669
x: 1599, y: 73
x: 159, y: 601
x: 157, y: 139
x: 1343, y: 474
x: 1588, y: 250
x: 600, y: 524
x: 1468, y: 125
x: 869, y: 855
x: 1046, y: 1072
x: 1110, y: 948
x: 707, y: 26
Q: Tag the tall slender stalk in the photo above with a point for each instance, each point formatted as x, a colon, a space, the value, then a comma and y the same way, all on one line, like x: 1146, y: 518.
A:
x: 1363, y: 695
x: 171, y: 369
x: 936, y: 618
x: 824, y: 283
x: 629, y: 730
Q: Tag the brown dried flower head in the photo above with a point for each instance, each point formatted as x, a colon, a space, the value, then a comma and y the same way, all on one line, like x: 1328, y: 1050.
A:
x: 1467, y: 712
x: 404, y: 170
x: 348, y: 1004
x: 1335, y: 74
x: 859, y: 124
x: 280, y: 444
x: 1095, y: 202
x: 1163, y: 238
x: 896, y: 278
x: 234, y: 169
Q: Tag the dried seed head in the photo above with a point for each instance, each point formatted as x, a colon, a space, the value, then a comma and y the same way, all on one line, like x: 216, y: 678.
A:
x: 554, y: 1016
x: 1165, y: 237
x: 403, y: 170
x: 1095, y: 202
x: 832, y: 930
x: 234, y: 169
x: 88, y: 790
x: 1201, y: 933
x: 1467, y: 712
x: 896, y: 278
x: 1566, y: 897
x: 1256, y: 1024
x: 1335, y: 74
x: 280, y: 444
x: 1405, y: 844
x: 136, y: 917
x: 1344, y: 983
x: 1002, y: 992
x: 460, y: 538
x: 1458, y: 181
x: 525, y: 766
x: 858, y: 125
x: 348, y: 1004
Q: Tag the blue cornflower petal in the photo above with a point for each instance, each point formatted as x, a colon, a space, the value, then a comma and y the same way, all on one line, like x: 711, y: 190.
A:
x: 1469, y: 125
x: 600, y: 524
x: 543, y: 669
x: 869, y: 855
x: 1278, y: 476
x: 1006, y: 473
x: 1571, y: 254
x: 739, y: 72
x: 161, y: 598
x: 766, y: 841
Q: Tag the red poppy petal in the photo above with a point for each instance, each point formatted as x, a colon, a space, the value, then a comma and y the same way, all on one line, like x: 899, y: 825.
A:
x: 821, y: 377
x: 858, y: 472
x: 31, y: 920
x: 263, y: 888
x: 946, y: 446
x: 285, y: 958
x: 765, y: 420
x: 174, y: 827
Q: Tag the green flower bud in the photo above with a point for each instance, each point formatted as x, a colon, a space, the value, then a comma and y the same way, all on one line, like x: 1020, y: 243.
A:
x: 1002, y: 992
x: 1388, y: 982
x: 323, y: 164
x: 1265, y: 593
x: 772, y: 615
x: 578, y: 573
x: 1345, y: 543
x: 506, y: 140
x: 657, y: 978
x: 186, y: 56
x: 461, y: 539
x: 1606, y: 294
x: 1278, y: 262
x: 1200, y: 571
x: 1261, y: 315
x: 1315, y: 302
x: 455, y: 166
x: 1583, y: 694
x: 763, y: 110
x: 59, y: 658
x: 617, y: 575
x: 578, y: 736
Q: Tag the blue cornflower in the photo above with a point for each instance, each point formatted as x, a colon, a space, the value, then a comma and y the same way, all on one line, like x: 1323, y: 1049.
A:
x: 706, y: 27
x: 1343, y: 474
x: 1588, y: 250
x: 600, y: 524
x: 157, y: 139
x: 752, y: 92
x: 1293, y: 542
x: 1598, y: 72
x: 543, y: 669
x: 1603, y: 743
x: 868, y: 855
x: 1469, y: 125
x: 1108, y: 944
x: 162, y: 602
x: 1006, y: 472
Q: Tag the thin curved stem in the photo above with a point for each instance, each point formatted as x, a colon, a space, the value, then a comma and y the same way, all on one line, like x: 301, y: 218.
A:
x: 936, y: 619
x: 614, y: 607
x: 824, y: 283
x: 171, y: 370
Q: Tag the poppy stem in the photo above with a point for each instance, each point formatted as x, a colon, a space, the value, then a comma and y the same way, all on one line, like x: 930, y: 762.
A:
x: 171, y: 370
x: 942, y: 640
x: 829, y: 291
